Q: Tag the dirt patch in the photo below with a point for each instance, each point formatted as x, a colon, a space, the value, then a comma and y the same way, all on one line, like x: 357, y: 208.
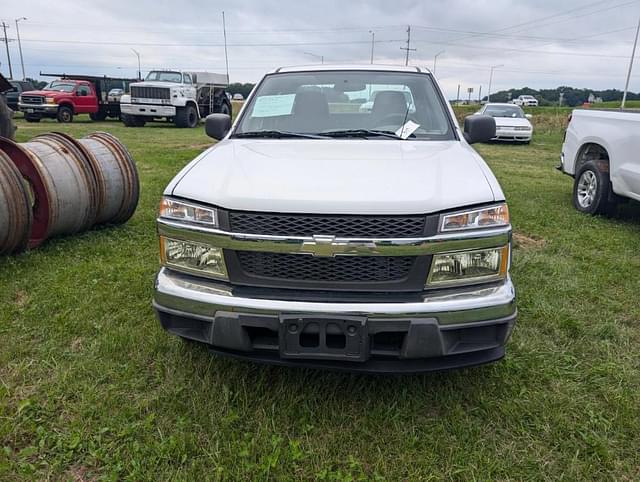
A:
x: 21, y: 298
x: 79, y: 474
x: 528, y: 242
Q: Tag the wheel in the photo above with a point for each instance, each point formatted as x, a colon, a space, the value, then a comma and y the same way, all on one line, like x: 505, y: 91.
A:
x: 592, y: 190
x: 98, y: 116
x: 32, y: 118
x: 186, y: 116
x: 132, y: 120
x: 225, y: 108
x: 65, y: 114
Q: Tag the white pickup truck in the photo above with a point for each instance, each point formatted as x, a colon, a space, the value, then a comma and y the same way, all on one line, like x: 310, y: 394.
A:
x: 318, y: 234
x: 601, y: 151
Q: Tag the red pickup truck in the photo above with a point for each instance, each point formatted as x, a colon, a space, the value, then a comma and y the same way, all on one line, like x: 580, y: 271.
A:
x: 60, y: 99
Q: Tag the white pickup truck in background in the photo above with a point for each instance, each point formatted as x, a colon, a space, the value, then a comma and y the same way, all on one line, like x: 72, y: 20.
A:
x: 601, y: 151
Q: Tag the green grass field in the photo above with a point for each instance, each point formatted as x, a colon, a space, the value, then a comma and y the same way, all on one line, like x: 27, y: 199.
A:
x: 92, y: 388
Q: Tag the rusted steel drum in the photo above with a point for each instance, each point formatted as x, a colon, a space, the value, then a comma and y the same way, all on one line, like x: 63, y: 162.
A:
x: 15, y: 208
x: 116, y: 177
x: 61, y: 182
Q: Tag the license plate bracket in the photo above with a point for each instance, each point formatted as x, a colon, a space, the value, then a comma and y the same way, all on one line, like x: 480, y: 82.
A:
x: 324, y: 337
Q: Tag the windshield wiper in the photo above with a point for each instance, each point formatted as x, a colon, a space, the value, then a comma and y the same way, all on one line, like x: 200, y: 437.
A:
x: 276, y: 134
x: 362, y: 133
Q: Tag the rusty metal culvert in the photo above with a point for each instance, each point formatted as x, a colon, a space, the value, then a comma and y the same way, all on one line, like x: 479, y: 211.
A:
x: 15, y: 208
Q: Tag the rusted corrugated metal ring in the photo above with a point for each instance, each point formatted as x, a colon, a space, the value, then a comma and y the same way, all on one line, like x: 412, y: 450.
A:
x: 15, y: 208
x: 131, y: 194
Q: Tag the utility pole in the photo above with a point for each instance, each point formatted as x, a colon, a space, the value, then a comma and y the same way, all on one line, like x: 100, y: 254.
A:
x: 6, y: 44
x: 20, y: 45
x: 633, y: 54
x: 138, y: 55
x: 480, y: 95
x: 373, y: 42
x: 458, y: 95
x: 490, y: 79
x: 408, y: 47
x: 435, y: 59
x: 226, y: 55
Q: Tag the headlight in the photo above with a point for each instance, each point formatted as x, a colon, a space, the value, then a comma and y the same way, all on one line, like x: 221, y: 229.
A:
x: 482, y: 265
x: 194, y: 258
x: 191, y: 213
x: 488, y: 217
x: 50, y: 100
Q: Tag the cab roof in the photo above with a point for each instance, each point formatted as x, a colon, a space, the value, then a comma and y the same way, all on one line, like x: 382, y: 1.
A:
x: 362, y: 67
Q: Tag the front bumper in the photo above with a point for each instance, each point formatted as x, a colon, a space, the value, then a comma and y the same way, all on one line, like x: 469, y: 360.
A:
x: 148, y: 110
x: 434, y: 331
x: 42, y: 109
x: 512, y: 135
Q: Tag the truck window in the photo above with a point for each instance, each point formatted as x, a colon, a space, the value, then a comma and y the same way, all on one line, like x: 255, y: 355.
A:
x: 319, y: 102
x: 187, y: 78
x: 83, y: 90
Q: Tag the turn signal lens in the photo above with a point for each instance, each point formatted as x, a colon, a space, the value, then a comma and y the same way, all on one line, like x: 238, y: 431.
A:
x: 475, y: 219
x: 193, y: 258
x: 466, y: 267
x: 183, y: 211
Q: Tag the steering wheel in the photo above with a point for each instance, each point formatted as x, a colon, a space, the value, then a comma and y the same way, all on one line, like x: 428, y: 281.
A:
x: 393, y: 119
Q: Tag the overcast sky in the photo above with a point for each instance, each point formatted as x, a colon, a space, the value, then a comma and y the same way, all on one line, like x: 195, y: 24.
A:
x: 541, y: 43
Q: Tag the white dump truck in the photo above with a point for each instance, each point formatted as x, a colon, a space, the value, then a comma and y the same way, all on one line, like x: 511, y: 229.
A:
x: 180, y: 97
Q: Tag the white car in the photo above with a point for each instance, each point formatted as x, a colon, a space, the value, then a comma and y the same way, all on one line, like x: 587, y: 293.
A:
x: 526, y: 101
x: 512, y: 124
x: 238, y: 96
x: 316, y: 235
x: 600, y: 152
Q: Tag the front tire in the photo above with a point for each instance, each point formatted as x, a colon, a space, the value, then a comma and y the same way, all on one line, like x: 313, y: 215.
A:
x: 132, y: 120
x: 186, y: 117
x: 32, y: 118
x: 65, y: 114
x: 592, y: 190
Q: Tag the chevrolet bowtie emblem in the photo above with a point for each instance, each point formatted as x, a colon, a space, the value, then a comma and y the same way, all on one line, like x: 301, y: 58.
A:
x: 328, y: 246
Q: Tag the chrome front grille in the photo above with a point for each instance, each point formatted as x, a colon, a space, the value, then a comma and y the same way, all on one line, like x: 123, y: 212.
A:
x: 32, y: 99
x: 150, y: 92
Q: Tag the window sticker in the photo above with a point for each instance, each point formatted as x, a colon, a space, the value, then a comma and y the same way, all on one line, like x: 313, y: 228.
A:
x: 273, y: 105
x: 406, y: 130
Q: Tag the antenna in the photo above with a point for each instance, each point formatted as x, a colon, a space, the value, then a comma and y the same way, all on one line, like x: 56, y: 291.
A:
x: 408, y: 47
x: 226, y: 55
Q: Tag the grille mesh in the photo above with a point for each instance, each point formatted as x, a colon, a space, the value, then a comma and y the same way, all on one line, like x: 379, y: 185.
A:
x: 337, y: 269
x: 332, y: 225
x: 150, y: 92
x: 32, y: 99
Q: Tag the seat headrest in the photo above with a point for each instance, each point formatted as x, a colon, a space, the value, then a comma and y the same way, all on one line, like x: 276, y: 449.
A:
x: 310, y: 102
x: 389, y: 102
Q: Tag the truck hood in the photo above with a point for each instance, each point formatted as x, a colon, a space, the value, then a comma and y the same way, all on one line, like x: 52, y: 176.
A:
x: 46, y: 93
x: 338, y: 176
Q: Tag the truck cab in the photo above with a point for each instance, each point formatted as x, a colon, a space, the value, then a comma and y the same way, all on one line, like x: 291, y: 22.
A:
x: 60, y: 99
x: 317, y: 234
x: 181, y: 97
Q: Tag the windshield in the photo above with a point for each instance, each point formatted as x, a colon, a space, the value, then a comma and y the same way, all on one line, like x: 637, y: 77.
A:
x: 60, y: 86
x: 345, y: 101
x: 504, y: 111
x: 160, y: 76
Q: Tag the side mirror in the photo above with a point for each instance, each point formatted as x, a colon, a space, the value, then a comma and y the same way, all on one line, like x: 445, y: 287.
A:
x: 479, y: 128
x: 217, y: 125
x: 528, y: 116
